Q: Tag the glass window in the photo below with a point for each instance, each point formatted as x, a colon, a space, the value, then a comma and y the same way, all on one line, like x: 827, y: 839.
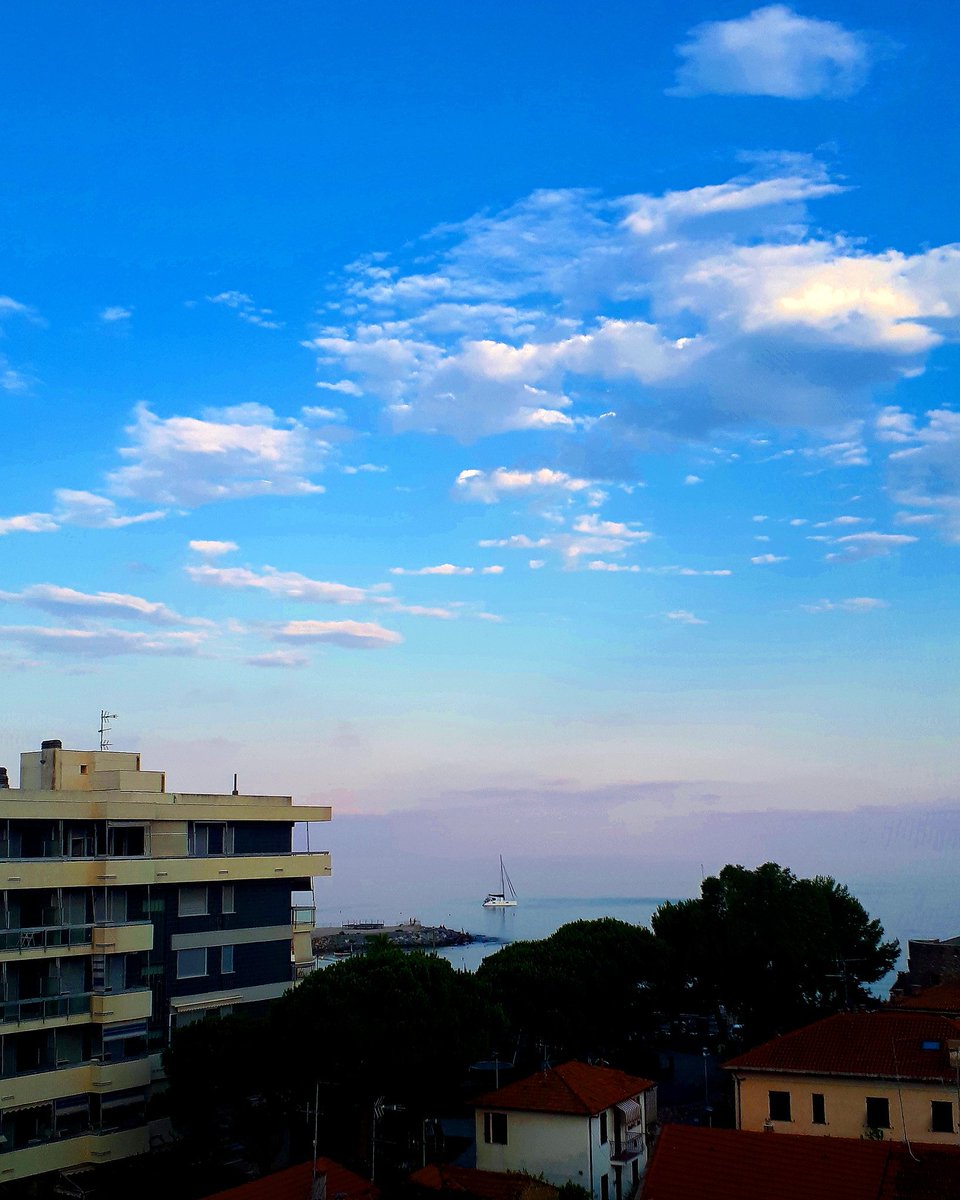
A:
x: 941, y: 1116
x: 192, y: 964
x: 226, y: 960
x: 495, y: 1128
x: 779, y: 1106
x: 819, y: 1109
x: 603, y: 1128
x: 227, y: 899
x: 193, y: 902
x: 878, y: 1112
x: 604, y: 1188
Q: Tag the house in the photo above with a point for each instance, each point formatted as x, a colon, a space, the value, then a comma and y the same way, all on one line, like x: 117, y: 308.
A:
x: 943, y: 998
x: 466, y: 1183
x: 691, y: 1163
x: 930, y: 961
x: 126, y: 911
x: 886, y: 1074
x: 329, y: 1181
x: 573, y: 1123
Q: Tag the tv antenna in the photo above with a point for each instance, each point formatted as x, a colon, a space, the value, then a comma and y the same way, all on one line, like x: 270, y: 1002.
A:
x: 105, y: 719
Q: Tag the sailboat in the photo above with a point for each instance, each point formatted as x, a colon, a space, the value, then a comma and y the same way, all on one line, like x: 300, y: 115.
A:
x: 507, y: 896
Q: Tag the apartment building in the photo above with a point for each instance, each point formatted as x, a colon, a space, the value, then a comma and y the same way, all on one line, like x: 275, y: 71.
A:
x: 125, y: 911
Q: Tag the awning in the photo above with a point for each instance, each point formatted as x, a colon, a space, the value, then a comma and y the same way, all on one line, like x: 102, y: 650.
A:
x: 632, y: 1112
x: 210, y: 1002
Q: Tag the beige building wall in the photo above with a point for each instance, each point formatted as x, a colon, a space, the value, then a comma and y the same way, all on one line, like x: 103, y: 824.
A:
x: 845, y: 1106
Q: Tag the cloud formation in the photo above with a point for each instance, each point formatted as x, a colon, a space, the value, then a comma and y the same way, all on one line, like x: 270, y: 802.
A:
x: 246, y: 309
x: 228, y: 454
x: 101, y: 642
x: 286, y: 585
x: 64, y: 601
x: 351, y: 635
x: 208, y: 549
x: 772, y: 52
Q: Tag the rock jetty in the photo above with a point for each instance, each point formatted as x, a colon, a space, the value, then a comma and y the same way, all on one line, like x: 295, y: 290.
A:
x: 410, y: 935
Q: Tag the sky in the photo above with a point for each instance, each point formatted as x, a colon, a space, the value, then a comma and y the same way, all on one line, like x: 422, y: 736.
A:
x: 526, y: 427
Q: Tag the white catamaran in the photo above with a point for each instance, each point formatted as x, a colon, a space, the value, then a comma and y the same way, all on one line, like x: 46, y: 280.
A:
x: 507, y: 896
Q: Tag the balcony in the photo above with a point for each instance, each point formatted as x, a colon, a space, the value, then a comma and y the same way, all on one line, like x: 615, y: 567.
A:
x: 303, y: 917
x: 630, y: 1149
x: 97, y: 1078
x: 75, y: 1009
x: 21, y: 874
x: 61, y: 941
x: 73, y: 1152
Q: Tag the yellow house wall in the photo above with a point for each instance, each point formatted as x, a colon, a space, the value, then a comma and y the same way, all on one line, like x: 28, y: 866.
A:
x: 56, y: 1156
x: 122, y: 872
x: 845, y: 1105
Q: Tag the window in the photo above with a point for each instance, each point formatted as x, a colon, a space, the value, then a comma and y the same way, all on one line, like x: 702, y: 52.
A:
x: 211, y: 838
x: 226, y: 960
x: 604, y: 1188
x: 819, y: 1109
x: 941, y: 1116
x: 779, y: 1106
x: 495, y: 1128
x: 126, y: 841
x: 83, y: 768
x: 192, y: 964
x: 603, y: 1128
x: 878, y: 1112
x: 193, y: 902
x: 227, y: 899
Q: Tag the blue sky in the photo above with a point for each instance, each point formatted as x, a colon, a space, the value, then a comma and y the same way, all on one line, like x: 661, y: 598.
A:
x: 530, y: 423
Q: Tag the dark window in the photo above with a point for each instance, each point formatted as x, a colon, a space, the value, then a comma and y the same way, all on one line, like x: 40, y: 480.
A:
x: 226, y: 960
x: 495, y: 1128
x: 779, y: 1106
x: 878, y: 1112
x: 819, y: 1109
x: 192, y: 902
x: 941, y: 1116
x: 192, y: 964
x: 604, y: 1188
x: 126, y: 841
x: 603, y: 1128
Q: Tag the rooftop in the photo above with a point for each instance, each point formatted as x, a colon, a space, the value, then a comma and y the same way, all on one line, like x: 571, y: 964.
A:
x: 295, y: 1184
x: 482, y: 1185
x: 574, y: 1088
x: 941, y: 998
x: 888, y: 1044
x: 691, y: 1163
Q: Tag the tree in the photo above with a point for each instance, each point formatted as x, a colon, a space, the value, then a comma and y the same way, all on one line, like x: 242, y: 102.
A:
x: 583, y: 992
x: 773, y: 950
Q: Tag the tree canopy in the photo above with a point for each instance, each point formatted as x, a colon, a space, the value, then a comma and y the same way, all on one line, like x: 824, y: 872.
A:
x: 773, y: 950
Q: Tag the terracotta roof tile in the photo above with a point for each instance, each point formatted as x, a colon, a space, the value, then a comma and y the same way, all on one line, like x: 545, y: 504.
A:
x: 886, y: 1044
x: 939, y: 998
x: 690, y: 1163
x: 482, y: 1185
x: 294, y: 1184
x: 574, y: 1088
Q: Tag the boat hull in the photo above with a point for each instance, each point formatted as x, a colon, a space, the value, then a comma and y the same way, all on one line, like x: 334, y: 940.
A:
x: 499, y: 902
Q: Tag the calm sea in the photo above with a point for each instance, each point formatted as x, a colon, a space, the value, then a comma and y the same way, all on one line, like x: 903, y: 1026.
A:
x: 532, y: 918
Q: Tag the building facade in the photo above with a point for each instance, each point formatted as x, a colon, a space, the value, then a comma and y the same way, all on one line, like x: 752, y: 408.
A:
x: 573, y: 1123
x: 889, y: 1075
x: 126, y: 911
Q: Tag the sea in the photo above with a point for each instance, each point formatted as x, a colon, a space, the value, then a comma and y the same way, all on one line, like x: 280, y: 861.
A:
x: 532, y: 919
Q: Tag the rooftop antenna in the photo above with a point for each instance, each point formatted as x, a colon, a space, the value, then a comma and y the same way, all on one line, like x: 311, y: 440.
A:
x: 105, y: 719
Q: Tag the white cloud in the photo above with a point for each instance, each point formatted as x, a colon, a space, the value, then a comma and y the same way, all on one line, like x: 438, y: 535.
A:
x: 842, y: 520
x: 601, y: 565
x: 684, y: 617
x: 926, y: 475
x: 535, y: 564
x: 286, y: 585
x: 287, y: 659
x: 759, y: 518
x: 64, y: 601
x: 490, y: 487
x: 440, y: 569
x: 345, y: 386
x: 496, y: 569
x: 591, y: 524
x: 115, y: 312
x: 690, y: 480
x: 102, y: 642
x: 855, y: 547
x: 314, y: 412
x: 772, y: 52
x: 229, y: 454
x: 854, y: 604
x: 517, y: 541
x: 91, y: 511
x: 246, y: 310
x: 352, y: 635
x: 765, y: 559
x: 213, y: 549
x: 37, y: 522
x: 733, y: 311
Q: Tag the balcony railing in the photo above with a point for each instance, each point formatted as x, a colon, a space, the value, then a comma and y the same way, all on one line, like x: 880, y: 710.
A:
x: 45, y: 1008
x: 303, y: 916
x: 629, y: 1149
x: 45, y: 937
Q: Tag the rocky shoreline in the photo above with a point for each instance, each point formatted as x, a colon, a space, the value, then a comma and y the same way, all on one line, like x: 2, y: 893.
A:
x: 410, y: 935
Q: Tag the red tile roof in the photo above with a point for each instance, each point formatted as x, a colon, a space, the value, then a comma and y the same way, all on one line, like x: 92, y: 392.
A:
x: 939, y: 998
x: 690, y: 1163
x: 482, y: 1185
x: 294, y: 1184
x: 888, y: 1044
x: 573, y: 1088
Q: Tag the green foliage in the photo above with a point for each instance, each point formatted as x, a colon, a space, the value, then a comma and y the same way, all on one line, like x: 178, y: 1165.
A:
x: 583, y: 992
x: 773, y: 950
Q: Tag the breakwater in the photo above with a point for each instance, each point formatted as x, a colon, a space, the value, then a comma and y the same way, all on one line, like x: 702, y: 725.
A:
x: 343, y: 940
